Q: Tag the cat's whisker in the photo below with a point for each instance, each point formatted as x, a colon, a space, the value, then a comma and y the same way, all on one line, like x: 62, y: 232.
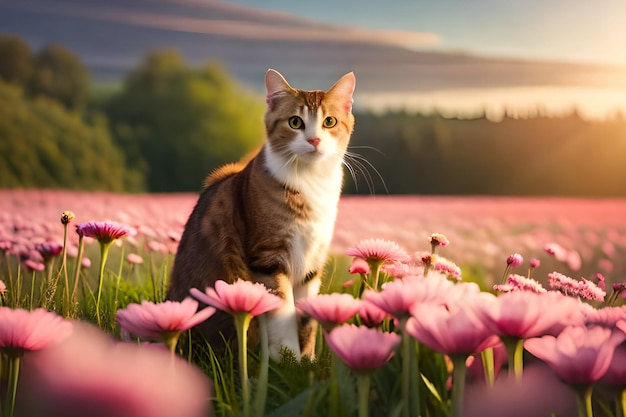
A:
x: 364, y: 167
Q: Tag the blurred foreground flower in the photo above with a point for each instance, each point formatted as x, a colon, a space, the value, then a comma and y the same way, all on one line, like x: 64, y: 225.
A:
x: 579, y: 355
x: 24, y: 331
x: 456, y: 330
x: 520, y: 315
x: 163, y: 322
x: 363, y: 350
x: 92, y: 375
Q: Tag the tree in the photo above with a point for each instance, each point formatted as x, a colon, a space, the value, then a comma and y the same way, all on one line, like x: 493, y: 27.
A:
x: 43, y: 145
x: 60, y: 75
x: 181, y: 122
x: 15, y: 60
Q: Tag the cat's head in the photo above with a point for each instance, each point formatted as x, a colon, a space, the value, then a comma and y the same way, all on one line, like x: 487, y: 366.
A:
x: 308, y: 127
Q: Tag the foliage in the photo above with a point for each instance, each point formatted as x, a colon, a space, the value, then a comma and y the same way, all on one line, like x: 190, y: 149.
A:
x: 180, y: 123
x: 15, y: 60
x: 54, y: 72
x: 43, y: 145
x: 60, y: 75
x: 562, y: 156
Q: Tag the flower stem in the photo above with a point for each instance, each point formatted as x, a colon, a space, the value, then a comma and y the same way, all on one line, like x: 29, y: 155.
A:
x: 585, y: 408
x: 458, y: 384
x: 242, y: 322
x: 363, y: 380
x: 623, y: 402
x: 261, y: 391
x: 79, y: 258
x: 104, y: 253
x: 66, y: 304
x: 408, y: 357
x: 375, y: 266
x: 515, y: 355
x: 488, y: 366
x: 14, y: 372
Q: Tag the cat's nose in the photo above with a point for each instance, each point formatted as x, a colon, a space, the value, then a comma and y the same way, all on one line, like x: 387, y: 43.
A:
x: 314, y: 141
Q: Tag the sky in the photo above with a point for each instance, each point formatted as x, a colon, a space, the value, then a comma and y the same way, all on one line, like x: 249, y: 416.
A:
x: 562, y: 30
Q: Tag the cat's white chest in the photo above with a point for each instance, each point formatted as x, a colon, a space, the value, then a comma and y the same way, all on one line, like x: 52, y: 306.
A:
x: 314, y: 233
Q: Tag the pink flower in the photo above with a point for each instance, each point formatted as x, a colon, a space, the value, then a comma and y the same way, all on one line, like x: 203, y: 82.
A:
x: 362, y: 348
x: 401, y: 270
x: 3, y: 287
x: 569, y: 286
x: 154, y: 321
x: 607, y: 316
x: 399, y: 296
x: 239, y: 297
x: 446, y: 267
x: 49, y: 250
x: 329, y: 309
x: 534, y: 263
x: 475, y: 368
x: 578, y: 355
x: 359, y: 266
x: 31, y: 330
x: 616, y: 374
x: 34, y: 265
x: 524, y: 314
x: 452, y: 329
x: 371, y: 315
x: 89, y: 374
x: 104, y: 232
x: 135, y: 259
x: 438, y: 239
x: 514, y: 260
x: 520, y: 283
x: 379, y: 250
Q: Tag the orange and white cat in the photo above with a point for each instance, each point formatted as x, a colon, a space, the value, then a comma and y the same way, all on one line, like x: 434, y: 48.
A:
x: 271, y: 219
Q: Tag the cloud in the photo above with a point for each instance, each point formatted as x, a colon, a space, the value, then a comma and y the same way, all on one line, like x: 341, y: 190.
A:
x: 246, y: 23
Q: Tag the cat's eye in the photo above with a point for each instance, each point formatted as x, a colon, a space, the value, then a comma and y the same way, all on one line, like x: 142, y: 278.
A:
x: 295, y: 122
x: 329, y: 122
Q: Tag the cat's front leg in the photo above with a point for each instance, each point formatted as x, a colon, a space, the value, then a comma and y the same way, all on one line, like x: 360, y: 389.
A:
x: 282, y: 323
x: 307, y: 326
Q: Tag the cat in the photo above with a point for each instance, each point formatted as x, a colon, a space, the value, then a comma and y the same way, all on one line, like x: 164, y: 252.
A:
x: 270, y: 219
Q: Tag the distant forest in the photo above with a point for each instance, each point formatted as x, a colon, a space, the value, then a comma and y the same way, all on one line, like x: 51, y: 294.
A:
x: 168, y: 124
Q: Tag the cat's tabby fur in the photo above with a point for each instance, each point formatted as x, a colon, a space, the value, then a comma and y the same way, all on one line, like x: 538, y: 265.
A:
x: 271, y: 219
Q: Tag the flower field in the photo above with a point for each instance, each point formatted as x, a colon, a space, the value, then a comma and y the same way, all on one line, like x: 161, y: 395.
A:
x: 410, y: 334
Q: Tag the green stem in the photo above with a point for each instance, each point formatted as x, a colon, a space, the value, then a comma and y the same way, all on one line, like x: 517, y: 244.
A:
x: 623, y: 402
x: 585, y: 408
x: 488, y: 366
x: 410, y: 408
x: 458, y: 384
x: 242, y: 322
x: 66, y: 308
x: 515, y: 355
x: 104, y: 253
x: 375, y: 266
x: 14, y: 372
x: 119, y: 276
x: 79, y: 258
x: 261, y: 391
x: 363, y: 380
x: 414, y: 376
x: 170, y: 339
x: 32, y: 291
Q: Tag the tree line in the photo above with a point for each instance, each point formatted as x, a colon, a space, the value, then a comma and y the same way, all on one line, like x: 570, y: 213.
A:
x: 168, y: 124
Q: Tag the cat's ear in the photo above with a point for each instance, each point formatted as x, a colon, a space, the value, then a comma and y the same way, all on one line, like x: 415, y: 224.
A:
x: 344, y: 89
x: 275, y: 85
